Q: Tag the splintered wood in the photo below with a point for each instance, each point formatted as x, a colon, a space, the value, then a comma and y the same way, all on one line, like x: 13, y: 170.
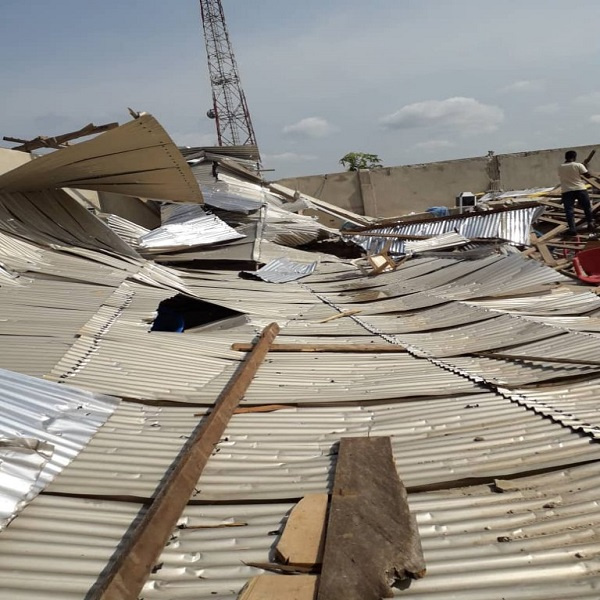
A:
x: 372, y: 538
x: 551, y: 247
x: 280, y: 587
x: 303, y: 538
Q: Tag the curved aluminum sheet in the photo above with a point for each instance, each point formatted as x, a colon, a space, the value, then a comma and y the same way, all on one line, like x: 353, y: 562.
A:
x: 288, y: 453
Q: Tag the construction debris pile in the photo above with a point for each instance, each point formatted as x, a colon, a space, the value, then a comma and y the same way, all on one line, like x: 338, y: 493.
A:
x: 208, y: 393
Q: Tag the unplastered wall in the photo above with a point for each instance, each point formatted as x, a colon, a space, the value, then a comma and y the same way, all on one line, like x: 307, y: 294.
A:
x: 392, y: 191
x: 11, y: 159
x: 538, y: 169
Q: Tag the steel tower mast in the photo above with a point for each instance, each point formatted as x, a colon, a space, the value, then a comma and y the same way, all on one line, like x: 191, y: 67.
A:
x: 230, y: 110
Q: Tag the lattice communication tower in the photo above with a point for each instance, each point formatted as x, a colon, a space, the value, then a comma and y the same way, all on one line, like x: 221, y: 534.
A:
x: 230, y: 110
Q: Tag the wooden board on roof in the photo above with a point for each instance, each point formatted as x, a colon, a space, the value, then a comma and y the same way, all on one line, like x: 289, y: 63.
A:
x: 372, y: 537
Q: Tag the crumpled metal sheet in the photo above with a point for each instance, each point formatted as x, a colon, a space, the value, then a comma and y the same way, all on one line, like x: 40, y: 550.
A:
x: 59, y: 419
x: 128, y: 231
x: 445, y: 240
x: 528, y: 193
x: 21, y: 461
x: 187, y: 225
x: 512, y: 226
x: 282, y: 270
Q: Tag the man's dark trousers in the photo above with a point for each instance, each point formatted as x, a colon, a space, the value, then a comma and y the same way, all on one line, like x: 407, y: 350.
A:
x: 569, y: 199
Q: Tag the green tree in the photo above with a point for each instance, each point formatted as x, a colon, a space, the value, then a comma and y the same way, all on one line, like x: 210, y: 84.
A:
x: 353, y: 161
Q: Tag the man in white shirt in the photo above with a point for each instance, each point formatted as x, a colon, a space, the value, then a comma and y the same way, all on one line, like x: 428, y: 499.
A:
x: 573, y: 189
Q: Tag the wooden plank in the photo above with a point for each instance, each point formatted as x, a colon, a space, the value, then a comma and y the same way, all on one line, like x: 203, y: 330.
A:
x: 134, y: 559
x: 376, y: 348
x: 344, y: 313
x: 280, y: 587
x: 303, y: 539
x: 59, y: 141
x: 372, y: 538
x: 552, y: 233
x: 546, y: 255
x: 244, y: 410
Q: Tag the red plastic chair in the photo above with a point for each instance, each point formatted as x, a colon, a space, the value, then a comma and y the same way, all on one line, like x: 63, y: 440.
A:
x: 587, y: 265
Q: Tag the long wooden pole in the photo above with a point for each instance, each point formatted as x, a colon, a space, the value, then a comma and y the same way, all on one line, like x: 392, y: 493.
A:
x: 133, y: 562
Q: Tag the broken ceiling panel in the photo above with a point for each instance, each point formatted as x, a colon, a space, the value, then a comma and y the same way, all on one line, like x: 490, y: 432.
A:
x: 186, y: 226
x: 136, y: 159
x: 282, y: 270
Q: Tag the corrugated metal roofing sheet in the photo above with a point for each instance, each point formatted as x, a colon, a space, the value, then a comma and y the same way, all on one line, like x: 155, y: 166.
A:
x: 573, y: 404
x: 549, y: 523
x: 512, y: 225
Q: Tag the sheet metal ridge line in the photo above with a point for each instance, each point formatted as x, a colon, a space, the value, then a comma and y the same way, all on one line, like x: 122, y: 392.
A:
x: 566, y: 419
x: 592, y: 431
x: 99, y: 332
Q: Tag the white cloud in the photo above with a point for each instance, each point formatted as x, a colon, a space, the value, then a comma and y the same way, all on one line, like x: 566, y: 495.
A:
x: 464, y: 114
x: 310, y: 127
x: 435, y: 144
x: 195, y: 139
x: 524, y: 86
x: 289, y: 157
x: 595, y: 118
x: 547, y: 109
x: 591, y: 98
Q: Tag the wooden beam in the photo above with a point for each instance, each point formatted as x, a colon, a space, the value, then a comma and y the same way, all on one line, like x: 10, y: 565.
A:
x: 589, y: 157
x: 372, y: 538
x: 135, y: 558
x: 59, y: 141
x: 357, y: 348
x: 302, y: 541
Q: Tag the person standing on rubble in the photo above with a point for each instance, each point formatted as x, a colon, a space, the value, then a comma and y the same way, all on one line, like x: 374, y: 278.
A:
x: 573, y: 188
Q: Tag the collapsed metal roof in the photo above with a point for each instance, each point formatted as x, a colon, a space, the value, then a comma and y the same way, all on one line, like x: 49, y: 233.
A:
x: 494, y: 375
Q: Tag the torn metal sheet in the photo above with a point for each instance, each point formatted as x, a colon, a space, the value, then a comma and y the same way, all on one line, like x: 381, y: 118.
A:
x: 61, y: 420
x: 282, y: 270
x: 187, y: 225
x: 53, y: 218
x: 512, y: 226
x: 21, y: 461
x: 128, y: 231
x: 136, y: 159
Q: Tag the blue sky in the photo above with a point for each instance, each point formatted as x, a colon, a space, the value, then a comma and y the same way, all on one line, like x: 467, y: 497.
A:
x: 412, y: 81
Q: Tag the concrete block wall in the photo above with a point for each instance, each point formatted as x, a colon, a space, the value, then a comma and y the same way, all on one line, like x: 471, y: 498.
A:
x: 392, y: 191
